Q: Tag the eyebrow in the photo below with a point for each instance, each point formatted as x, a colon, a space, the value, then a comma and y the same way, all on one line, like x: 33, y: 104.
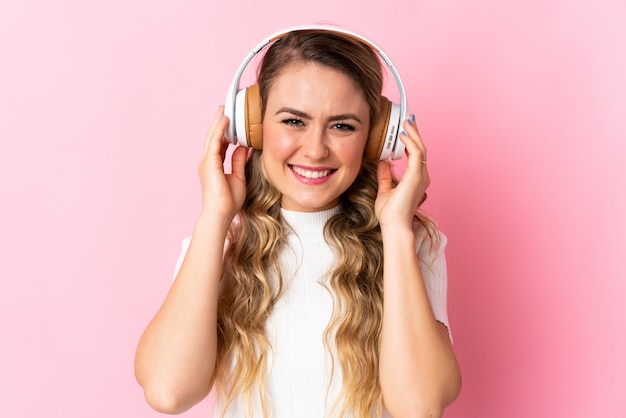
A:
x: 305, y: 115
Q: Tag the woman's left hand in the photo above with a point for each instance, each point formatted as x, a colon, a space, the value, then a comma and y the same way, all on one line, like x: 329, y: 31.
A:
x: 397, y: 205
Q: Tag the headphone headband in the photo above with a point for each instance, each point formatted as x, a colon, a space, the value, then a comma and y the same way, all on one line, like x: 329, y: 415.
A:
x: 234, y: 87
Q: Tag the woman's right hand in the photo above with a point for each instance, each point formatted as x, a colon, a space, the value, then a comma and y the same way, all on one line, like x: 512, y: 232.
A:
x: 222, y: 194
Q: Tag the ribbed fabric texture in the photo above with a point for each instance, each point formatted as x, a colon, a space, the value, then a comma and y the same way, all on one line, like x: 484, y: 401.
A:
x: 299, y: 380
x: 301, y: 370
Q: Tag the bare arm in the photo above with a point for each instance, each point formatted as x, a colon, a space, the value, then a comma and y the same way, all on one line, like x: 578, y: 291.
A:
x: 419, y: 373
x: 175, y: 358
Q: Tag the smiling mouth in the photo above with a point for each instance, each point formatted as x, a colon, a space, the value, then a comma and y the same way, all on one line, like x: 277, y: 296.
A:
x: 311, y: 174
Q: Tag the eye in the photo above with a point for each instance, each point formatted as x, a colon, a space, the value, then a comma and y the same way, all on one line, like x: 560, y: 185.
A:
x: 343, y: 127
x: 295, y: 122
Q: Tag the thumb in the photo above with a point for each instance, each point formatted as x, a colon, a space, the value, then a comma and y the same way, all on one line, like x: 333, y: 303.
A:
x: 238, y: 162
x: 384, y: 177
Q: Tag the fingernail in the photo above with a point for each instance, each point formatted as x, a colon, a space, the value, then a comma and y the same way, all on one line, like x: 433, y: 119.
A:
x: 413, y: 118
x: 403, y: 133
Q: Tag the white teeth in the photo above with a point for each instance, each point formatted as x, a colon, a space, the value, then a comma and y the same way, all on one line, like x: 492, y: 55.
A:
x: 310, y: 174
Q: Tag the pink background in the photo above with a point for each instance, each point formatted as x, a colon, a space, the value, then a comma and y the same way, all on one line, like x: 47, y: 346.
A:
x: 103, y: 109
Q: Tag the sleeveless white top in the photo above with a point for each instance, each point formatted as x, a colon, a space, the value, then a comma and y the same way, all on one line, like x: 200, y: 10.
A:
x: 299, y: 379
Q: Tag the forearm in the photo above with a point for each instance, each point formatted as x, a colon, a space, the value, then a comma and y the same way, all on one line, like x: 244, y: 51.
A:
x: 175, y: 358
x: 419, y: 374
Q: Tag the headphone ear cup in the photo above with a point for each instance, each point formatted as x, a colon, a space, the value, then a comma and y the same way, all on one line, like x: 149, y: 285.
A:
x: 378, y: 134
x: 248, y: 126
x: 240, y: 118
x: 254, y: 120
x: 383, y: 141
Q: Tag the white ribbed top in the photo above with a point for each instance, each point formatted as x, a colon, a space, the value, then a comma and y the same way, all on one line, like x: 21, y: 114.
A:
x: 299, y: 376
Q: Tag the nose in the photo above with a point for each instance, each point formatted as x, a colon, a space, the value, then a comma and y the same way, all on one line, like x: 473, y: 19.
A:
x: 315, y: 146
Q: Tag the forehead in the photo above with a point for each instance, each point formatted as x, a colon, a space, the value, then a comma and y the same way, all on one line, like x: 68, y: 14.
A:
x: 315, y: 83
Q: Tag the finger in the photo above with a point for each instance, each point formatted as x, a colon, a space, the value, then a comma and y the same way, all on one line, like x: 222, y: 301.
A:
x: 412, y: 131
x: 207, y: 137
x: 215, y: 135
x: 413, y: 142
x: 415, y: 156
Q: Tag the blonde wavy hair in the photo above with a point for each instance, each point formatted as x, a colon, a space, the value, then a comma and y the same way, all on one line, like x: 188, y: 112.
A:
x: 252, y: 281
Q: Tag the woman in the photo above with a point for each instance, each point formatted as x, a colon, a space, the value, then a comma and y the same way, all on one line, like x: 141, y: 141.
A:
x: 278, y: 300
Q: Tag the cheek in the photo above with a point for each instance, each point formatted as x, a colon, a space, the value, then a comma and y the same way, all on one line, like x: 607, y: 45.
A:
x: 277, y: 145
x: 353, y: 152
x: 273, y: 157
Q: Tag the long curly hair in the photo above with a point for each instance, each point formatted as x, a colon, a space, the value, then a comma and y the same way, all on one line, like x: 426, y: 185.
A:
x: 252, y: 281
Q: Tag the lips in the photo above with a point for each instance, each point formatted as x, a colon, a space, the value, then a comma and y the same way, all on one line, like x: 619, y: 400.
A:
x: 311, y: 173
